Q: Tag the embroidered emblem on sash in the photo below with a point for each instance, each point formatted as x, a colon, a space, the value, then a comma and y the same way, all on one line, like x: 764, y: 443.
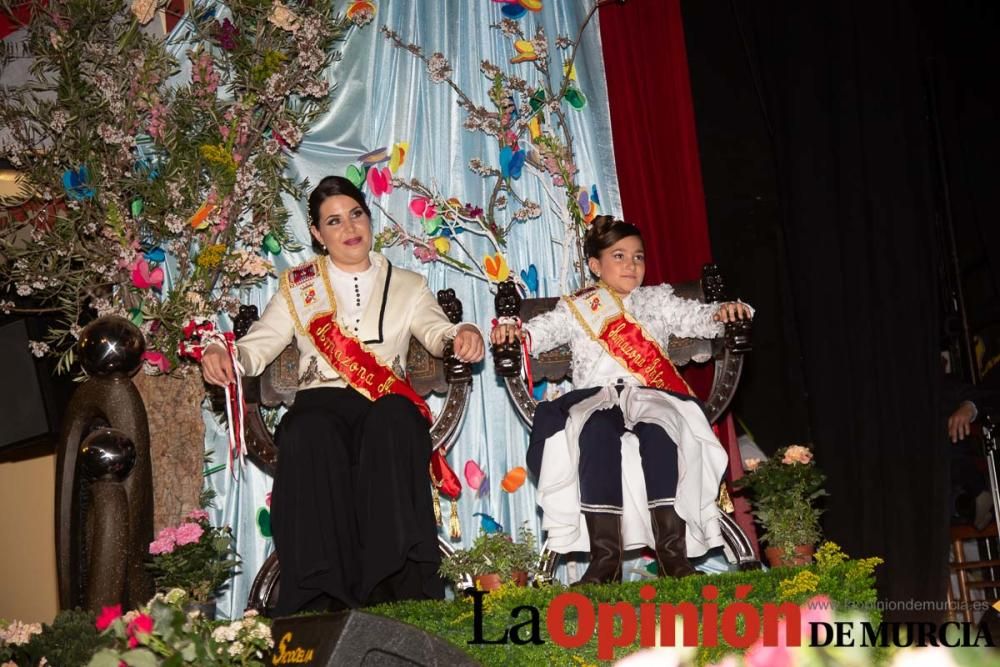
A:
x: 302, y: 274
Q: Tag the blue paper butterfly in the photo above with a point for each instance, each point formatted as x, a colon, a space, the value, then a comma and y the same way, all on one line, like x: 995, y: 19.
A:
x: 513, y: 11
x: 539, y: 391
x: 511, y: 162
x: 155, y: 254
x: 75, y: 182
x: 489, y: 524
x: 530, y: 278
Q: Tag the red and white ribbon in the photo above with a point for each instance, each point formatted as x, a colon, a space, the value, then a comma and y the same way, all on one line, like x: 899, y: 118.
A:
x: 199, y: 334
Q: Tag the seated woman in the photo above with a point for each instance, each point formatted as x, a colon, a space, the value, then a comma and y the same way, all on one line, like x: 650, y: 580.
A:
x: 627, y: 388
x: 351, y: 506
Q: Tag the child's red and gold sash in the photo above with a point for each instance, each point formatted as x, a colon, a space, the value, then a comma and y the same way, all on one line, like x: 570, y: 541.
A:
x: 602, y: 315
x: 315, y: 305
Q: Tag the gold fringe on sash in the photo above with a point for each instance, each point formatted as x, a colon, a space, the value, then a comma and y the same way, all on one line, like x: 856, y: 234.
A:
x: 456, y: 529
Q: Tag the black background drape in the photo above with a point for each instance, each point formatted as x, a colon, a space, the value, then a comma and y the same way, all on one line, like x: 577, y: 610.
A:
x: 818, y: 156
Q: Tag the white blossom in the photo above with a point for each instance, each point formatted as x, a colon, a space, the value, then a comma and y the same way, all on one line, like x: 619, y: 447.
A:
x: 310, y: 60
x: 317, y: 89
x: 38, y: 348
x: 224, y: 633
x: 438, y: 68
x: 489, y: 69
x: 174, y: 193
x: 529, y: 210
x: 174, y: 223
x: 18, y: 633
x: 510, y: 28
x: 58, y: 121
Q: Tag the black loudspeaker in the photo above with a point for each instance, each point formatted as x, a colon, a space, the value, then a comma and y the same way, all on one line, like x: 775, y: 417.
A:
x: 31, y: 400
x: 349, y: 638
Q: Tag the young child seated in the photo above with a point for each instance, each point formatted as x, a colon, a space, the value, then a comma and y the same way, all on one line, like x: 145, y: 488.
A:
x: 583, y: 444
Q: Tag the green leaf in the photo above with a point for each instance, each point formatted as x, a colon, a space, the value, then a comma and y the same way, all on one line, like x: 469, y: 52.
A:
x: 189, y: 652
x: 105, y: 658
x: 140, y: 657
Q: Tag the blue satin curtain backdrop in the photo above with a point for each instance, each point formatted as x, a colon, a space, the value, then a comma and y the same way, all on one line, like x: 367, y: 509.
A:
x: 383, y: 96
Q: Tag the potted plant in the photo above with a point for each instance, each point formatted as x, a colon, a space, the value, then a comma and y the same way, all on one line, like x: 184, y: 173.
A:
x: 195, y: 557
x: 493, y: 559
x: 783, y: 492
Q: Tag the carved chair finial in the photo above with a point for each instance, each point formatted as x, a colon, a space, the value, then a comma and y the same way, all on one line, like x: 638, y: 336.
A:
x: 507, y: 356
x: 246, y: 317
x: 712, y: 284
x: 454, y: 370
x: 451, y: 306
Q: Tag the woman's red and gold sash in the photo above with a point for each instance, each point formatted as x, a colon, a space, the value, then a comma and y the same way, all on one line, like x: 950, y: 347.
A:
x: 311, y: 301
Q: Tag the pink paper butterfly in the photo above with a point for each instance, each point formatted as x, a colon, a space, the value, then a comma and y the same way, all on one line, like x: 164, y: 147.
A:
x: 474, y: 475
x: 157, y: 359
x: 422, y: 207
x: 144, y: 278
x: 380, y: 181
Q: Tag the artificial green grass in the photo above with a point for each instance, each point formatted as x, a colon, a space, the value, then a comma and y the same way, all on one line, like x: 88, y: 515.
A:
x: 848, y: 583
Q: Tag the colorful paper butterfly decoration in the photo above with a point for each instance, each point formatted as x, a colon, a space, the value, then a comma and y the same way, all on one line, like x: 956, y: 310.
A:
x: 530, y: 278
x: 496, y: 268
x: 489, y: 524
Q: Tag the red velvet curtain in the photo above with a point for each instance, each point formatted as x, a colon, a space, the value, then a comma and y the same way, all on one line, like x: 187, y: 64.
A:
x: 656, y: 150
x: 656, y: 153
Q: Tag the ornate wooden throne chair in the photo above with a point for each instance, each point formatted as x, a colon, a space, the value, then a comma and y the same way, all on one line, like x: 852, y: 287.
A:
x: 277, y: 385
x: 725, y: 353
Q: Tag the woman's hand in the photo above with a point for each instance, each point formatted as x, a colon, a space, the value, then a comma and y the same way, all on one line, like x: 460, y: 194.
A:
x: 505, y: 333
x: 468, y: 345
x: 217, y: 367
x: 732, y: 311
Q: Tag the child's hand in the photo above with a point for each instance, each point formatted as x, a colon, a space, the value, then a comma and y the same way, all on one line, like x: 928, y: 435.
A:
x: 505, y: 333
x: 732, y: 311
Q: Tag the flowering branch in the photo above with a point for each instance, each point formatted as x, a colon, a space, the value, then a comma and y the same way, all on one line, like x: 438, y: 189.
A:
x: 160, y: 196
x: 517, y: 121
